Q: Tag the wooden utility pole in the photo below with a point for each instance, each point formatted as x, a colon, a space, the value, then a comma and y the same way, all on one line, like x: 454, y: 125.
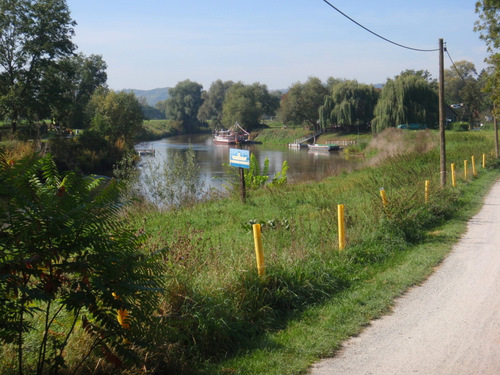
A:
x: 242, y: 186
x: 495, y: 128
x: 442, y: 113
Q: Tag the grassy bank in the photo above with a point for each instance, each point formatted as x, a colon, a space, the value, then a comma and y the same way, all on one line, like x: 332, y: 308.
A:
x: 223, y: 318
x: 217, y: 316
x: 278, y: 135
x: 157, y: 129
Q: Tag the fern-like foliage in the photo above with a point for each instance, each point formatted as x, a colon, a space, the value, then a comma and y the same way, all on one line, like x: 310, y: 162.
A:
x: 63, y: 251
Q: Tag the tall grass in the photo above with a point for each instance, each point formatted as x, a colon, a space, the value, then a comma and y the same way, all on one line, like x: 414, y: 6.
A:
x: 218, y: 316
x: 216, y: 303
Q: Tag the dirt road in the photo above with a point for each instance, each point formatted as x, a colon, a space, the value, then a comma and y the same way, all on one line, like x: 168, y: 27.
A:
x: 449, y: 325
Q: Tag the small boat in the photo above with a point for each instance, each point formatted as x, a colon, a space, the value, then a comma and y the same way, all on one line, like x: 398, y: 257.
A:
x: 323, y: 147
x: 146, y: 152
x: 296, y: 145
x: 232, y: 136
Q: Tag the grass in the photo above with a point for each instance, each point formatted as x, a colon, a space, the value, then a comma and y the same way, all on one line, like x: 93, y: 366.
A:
x: 279, y: 136
x: 157, y: 129
x: 319, y: 331
x: 224, y: 319
x: 219, y: 317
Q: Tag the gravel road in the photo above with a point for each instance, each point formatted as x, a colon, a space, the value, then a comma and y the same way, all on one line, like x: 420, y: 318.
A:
x: 450, y: 325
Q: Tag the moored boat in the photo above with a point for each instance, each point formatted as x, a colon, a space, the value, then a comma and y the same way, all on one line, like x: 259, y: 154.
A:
x: 232, y: 136
x: 146, y: 152
x: 323, y: 147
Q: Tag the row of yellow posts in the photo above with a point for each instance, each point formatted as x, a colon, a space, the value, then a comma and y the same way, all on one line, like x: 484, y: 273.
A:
x: 259, y: 252
x: 122, y: 315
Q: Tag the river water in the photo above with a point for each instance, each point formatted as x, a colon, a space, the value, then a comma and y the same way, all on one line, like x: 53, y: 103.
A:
x: 303, y: 164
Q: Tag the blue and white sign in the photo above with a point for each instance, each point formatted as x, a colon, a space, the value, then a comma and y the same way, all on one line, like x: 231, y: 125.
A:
x: 239, y: 158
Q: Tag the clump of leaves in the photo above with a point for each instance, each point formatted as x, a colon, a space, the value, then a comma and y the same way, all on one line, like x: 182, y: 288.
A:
x: 269, y: 224
x: 63, y: 254
x: 256, y: 179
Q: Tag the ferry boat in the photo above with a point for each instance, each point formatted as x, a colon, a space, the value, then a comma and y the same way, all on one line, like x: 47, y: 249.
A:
x: 232, y: 136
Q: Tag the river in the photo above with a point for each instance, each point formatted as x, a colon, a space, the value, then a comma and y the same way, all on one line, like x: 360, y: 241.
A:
x: 303, y: 164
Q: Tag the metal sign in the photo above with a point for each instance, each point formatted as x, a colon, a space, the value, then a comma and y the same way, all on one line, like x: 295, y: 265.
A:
x: 239, y: 158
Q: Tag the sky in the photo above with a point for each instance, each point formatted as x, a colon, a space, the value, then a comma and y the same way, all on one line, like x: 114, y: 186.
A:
x: 149, y: 44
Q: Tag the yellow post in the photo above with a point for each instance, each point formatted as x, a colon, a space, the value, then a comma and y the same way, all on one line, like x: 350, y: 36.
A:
x: 465, y: 170
x: 473, y: 161
x: 340, y: 209
x: 259, y: 253
x: 453, y: 175
x: 484, y: 160
x: 383, y: 196
x: 427, y: 184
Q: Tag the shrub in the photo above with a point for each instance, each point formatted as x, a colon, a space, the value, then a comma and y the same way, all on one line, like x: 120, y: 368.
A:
x: 63, y: 254
x: 460, y: 126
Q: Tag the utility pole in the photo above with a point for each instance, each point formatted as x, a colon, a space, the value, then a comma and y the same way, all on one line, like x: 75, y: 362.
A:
x: 442, y: 114
x: 495, y: 128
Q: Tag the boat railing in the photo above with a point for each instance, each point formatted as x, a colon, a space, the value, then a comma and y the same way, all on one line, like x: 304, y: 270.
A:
x: 343, y: 142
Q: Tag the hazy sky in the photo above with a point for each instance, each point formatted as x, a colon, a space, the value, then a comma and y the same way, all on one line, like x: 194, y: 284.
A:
x: 158, y: 43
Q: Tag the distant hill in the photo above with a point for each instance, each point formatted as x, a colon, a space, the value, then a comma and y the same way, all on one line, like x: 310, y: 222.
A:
x: 152, y: 96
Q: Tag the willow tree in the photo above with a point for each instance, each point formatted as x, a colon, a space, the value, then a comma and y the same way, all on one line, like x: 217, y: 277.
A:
x: 406, y: 99
x: 350, y: 103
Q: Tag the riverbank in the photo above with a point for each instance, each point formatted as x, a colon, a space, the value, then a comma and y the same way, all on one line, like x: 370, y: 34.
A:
x: 273, y: 134
x: 223, y: 318
x: 219, y: 316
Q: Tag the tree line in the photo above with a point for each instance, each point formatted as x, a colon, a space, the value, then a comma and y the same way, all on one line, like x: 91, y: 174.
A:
x: 410, y: 97
x: 42, y: 78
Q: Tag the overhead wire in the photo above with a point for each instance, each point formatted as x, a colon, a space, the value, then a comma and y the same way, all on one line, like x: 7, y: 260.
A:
x: 378, y: 35
x: 453, y: 63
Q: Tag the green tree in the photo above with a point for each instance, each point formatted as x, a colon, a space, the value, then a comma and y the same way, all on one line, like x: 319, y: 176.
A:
x: 247, y: 104
x: 149, y: 112
x: 455, y: 79
x: 332, y: 81
x: 488, y: 26
x: 63, y: 253
x: 68, y: 86
x: 406, y: 99
x: 33, y: 35
x: 116, y: 115
x: 350, y: 103
x: 211, y: 109
x: 300, y: 105
x: 184, y: 103
x: 462, y: 86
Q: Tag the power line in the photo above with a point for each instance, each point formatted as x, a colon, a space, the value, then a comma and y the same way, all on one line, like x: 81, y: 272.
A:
x: 453, y: 63
x: 380, y: 36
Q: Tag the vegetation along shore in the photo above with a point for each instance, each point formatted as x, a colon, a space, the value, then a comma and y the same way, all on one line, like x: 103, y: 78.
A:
x: 103, y: 274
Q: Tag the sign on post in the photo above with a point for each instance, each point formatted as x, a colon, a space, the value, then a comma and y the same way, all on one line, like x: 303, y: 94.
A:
x: 239, y: 158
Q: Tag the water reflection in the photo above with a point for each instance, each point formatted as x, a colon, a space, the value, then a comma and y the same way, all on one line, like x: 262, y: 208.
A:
x: 303, y: 164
